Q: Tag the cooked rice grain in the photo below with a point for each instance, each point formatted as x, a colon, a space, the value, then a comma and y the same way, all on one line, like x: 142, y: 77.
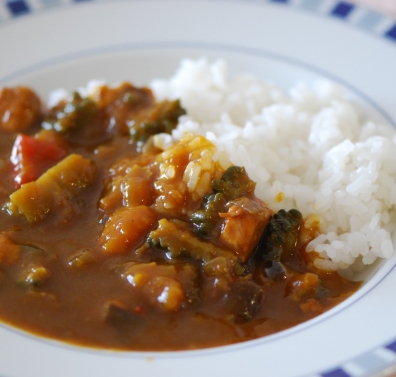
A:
x: 310, y: 148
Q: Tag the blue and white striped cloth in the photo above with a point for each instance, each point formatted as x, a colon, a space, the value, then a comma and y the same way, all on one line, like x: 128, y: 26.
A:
x: 376, y: 23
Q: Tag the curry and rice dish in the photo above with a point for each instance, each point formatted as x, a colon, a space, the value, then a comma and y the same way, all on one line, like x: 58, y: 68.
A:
x: 116, y: 234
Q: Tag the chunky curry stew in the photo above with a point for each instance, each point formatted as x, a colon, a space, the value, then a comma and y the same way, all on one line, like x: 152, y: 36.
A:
x: 108, y: 239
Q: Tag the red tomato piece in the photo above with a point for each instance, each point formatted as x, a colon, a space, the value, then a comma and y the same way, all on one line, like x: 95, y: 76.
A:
x: 31, y: 157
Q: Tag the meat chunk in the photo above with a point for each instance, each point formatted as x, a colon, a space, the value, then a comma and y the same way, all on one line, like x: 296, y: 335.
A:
x: 20, y: 108
x: 244, y: 224
x: 125, y: 106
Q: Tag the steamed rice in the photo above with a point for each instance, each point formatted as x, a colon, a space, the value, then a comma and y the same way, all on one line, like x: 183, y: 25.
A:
x: 309, y: 148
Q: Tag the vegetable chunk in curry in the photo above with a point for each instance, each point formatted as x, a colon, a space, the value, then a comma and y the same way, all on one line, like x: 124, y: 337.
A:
x: 109, y: 240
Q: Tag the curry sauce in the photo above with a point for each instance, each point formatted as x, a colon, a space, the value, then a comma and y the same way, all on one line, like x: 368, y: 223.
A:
x: 108, y: 239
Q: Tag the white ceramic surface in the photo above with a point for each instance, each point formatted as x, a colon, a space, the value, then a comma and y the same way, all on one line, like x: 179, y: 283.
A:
x: 50, y: 44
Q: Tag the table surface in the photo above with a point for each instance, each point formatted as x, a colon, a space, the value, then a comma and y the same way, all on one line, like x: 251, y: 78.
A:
x: 384, y: 6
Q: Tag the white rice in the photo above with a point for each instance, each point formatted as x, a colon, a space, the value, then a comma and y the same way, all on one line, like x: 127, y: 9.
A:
x: 311, y: 144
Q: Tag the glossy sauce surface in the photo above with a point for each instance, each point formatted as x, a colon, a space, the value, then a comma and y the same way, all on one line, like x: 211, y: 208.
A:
x: 108, y: 241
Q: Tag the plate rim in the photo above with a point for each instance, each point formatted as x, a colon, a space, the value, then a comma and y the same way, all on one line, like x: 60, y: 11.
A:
x: 352, y: 14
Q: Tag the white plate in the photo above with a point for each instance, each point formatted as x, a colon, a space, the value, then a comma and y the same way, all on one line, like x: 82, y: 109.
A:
x: 62, y: 43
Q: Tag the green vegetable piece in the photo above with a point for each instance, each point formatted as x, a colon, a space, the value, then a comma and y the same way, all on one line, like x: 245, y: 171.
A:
x: 54, y: 191
x: 279, y: 240
x: 207, y: 220
x: 178, y: 240
x: 71, y: 115
x: 163, y: 119
x: 234, y: 183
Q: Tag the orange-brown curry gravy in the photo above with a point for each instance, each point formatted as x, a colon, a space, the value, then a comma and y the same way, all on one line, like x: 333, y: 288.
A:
x: 95, y: 266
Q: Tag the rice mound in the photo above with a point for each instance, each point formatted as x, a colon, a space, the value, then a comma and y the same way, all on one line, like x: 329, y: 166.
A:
x: 309, y: 148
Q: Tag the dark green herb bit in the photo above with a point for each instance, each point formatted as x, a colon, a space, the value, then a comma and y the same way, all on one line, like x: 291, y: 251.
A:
x: 164, y: 118
x: 207, y: 220
x: 70, y: 115
x: 278, y: 242
x: 234, y: 183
